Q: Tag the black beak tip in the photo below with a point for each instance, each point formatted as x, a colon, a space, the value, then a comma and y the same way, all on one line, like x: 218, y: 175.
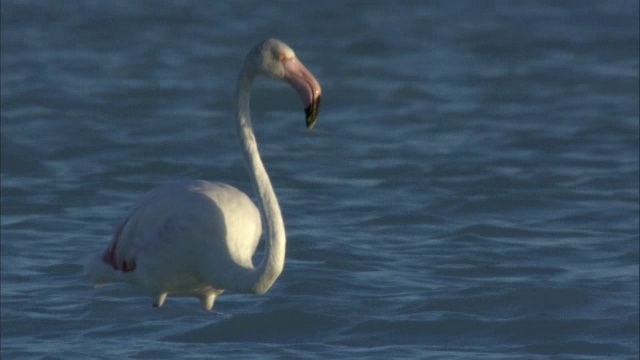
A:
x: 311, y: 113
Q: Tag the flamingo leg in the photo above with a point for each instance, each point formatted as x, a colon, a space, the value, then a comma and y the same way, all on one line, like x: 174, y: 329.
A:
x: 160, y: 300
x: 207, y: 299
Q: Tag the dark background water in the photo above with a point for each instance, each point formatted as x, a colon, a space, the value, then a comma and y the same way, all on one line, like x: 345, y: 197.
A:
x: 470, y: 189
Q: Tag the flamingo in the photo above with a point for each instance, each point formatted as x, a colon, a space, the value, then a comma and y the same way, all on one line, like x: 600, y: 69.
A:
x: 197, y: 238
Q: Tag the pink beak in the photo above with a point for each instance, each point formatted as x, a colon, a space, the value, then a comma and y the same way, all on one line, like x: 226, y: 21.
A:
x: 307, y: 87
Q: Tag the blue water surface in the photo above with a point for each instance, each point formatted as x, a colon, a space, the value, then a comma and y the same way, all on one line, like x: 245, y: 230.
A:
x: 470, y: 189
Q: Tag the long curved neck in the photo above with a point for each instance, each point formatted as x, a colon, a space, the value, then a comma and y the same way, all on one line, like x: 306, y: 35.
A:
x: 272, y: 263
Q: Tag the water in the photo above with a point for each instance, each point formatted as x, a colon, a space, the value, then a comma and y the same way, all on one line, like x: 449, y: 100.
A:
x: 470, y: 189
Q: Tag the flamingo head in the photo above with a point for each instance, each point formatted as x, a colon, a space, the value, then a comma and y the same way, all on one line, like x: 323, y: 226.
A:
x: 276, y: 59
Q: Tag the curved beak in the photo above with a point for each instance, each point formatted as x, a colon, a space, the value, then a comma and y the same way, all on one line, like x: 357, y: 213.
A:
x: 307, y: 87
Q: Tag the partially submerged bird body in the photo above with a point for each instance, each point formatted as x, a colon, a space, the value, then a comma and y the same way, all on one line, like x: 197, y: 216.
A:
x: 187, y: 238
